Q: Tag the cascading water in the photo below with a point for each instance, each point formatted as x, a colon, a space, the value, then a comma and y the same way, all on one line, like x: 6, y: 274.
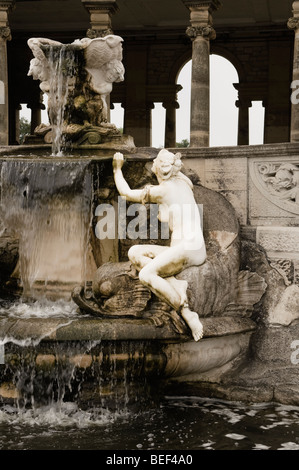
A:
x: 46, y: 205
x: 63, y: 71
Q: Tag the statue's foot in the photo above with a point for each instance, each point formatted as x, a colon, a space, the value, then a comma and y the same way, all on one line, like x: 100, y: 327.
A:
x: 192, y: 320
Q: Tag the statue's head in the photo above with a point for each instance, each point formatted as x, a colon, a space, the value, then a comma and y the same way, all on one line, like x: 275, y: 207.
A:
x: 167, y: 164
x: 114, y: 71
x: 37, y: 70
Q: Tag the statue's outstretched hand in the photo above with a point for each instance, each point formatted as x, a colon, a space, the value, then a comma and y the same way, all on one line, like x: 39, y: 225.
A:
x: 118, y: 161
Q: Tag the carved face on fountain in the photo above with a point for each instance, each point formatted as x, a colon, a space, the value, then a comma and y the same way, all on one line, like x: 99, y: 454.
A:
x: 166, y: 164
x: 39, y: 72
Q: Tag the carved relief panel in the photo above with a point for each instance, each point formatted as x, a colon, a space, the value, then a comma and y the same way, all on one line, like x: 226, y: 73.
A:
x: 274, y: 210
x: 278, y: 182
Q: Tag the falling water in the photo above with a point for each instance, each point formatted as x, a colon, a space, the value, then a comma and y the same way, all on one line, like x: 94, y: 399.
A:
x: 46, y: 205
x: 63, y: 69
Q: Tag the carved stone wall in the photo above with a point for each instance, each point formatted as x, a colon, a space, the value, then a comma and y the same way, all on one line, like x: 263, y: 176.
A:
x: 262, y: 184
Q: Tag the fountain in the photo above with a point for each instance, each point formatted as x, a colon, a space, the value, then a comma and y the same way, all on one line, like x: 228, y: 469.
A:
x: 88, y: 314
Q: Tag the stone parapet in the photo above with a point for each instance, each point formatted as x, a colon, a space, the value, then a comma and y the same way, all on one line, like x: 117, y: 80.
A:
x: 248, y: 177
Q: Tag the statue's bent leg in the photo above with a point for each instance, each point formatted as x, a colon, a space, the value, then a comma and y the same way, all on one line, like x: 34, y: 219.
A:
x: 166, y: 264
x: 158, y: 274
x: 141, y: 255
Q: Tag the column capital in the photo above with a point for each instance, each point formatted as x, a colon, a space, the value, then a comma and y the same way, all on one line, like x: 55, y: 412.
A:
x: 5, y: 33
x: 243, y: 103
x: 293, y: 22
x: 92, y: 33
x: 5, y: 8
x: 173, y: 104
x: 244, y: 95
x: 207, y: 32
x: 201, y: 19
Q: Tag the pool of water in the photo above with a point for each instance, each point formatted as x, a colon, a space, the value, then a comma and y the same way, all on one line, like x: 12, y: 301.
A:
x: 177, y: 424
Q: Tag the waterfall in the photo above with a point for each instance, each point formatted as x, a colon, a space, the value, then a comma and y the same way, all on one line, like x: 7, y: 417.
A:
x: 46, y: 205
x: 63, y: 67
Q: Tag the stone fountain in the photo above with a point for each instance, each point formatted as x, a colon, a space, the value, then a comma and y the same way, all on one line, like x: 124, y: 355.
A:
x: 84, y: 217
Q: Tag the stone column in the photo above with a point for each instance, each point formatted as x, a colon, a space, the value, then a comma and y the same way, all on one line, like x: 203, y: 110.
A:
x: 100, y: 12
x: 200, y: 32
x: 170, y: 123
x: 169, y: 101
x: 5, y: 35
x: 138, y: 123
x: 14, y: 123
x: 138, y: 105
x: 293, y: 23
x: 243, y: 103
x: 36, y: 107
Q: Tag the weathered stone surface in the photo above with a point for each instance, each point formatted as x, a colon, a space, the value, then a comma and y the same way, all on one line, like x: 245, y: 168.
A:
x: 189, y: 360
x: 212, y: 286
x: 88, y: 328
x: 279, y: 242
x: 254, y: 259
x: 287, y: 309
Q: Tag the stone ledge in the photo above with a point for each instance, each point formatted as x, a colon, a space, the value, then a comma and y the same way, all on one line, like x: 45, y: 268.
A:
x: 280, y: 150
x: 85, y: 329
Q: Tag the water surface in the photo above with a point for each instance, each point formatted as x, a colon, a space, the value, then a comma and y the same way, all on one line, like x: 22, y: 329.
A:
x: 177, y: 424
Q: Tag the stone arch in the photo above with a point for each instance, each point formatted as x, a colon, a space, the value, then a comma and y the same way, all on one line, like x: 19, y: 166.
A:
x: 178, y: 65
x: 228, y: 55
x: 224, y: 113
x: 215, y: 49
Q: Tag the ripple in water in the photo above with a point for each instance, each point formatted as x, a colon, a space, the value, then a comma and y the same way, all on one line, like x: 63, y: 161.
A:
x: 180, y: 423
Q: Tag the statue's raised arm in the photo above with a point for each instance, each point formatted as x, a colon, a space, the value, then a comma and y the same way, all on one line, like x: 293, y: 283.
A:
x: 134, y: 195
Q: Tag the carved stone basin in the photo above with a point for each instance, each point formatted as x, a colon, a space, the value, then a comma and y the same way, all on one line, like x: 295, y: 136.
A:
x: 107, y: 361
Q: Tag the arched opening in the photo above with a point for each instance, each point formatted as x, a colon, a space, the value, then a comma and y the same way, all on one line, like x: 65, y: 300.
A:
x: 256, y: 123
x: 158, y: 125
x: 117, y: 116
x: 223, y: 96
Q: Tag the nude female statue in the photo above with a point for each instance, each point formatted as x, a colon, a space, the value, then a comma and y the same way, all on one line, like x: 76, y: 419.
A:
x: 157, y: 265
